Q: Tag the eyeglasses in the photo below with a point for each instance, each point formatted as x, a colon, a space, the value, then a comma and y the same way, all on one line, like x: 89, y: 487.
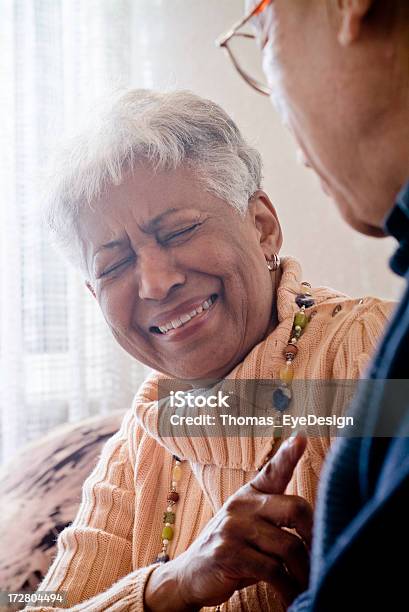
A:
x: 223, y: 43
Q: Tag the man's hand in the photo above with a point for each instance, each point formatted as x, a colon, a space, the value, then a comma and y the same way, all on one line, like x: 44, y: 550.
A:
x: 243, y: 544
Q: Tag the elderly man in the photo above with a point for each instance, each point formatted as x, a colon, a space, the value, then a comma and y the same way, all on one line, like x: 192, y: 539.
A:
x: 339, y: 71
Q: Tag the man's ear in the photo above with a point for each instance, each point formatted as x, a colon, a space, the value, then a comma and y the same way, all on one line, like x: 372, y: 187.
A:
x: 265, y: 219
x: 90, y: 288
x: 352, y: 13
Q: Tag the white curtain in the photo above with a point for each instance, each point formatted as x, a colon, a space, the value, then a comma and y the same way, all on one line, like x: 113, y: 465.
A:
x: 58, y: 361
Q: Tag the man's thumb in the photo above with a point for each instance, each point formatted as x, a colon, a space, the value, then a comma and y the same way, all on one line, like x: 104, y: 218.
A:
x: 276, y: 474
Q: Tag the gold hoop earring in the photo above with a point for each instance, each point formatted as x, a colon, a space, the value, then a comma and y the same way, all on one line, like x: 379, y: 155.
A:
x: 274, y: 263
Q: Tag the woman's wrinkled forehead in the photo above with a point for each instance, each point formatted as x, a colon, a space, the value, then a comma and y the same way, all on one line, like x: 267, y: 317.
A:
x: 144, y: 197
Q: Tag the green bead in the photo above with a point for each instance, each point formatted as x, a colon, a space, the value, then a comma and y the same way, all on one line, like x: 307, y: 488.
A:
x: 300, y: 319
x: 169, y: 517
x: 167, y: 533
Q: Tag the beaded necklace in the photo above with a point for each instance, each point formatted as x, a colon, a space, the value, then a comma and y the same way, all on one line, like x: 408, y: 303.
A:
x: 169, y: 515
x: 282, y: 396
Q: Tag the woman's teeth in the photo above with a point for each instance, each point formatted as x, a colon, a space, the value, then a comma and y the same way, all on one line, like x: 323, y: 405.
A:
x: 185, y: 318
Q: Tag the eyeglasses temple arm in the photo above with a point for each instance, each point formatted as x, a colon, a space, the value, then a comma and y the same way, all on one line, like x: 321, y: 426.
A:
x: 220, y: 42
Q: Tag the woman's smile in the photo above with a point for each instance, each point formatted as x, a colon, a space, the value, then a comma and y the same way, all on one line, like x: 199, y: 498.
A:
x: 190, y: 321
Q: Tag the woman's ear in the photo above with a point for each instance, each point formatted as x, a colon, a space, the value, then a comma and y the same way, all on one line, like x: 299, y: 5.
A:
x: 266, y: 222
x: 90, y: 288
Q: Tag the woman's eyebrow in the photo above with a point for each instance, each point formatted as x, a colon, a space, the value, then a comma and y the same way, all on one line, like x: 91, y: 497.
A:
x: 152, y: 224
x: 111, y: 245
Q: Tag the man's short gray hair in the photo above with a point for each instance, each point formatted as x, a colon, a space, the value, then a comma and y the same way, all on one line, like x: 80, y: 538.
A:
x: 165, y: 130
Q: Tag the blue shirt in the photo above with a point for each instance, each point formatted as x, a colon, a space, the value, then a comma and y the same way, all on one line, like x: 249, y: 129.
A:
x: 397, y: 225
x: 361, y: 531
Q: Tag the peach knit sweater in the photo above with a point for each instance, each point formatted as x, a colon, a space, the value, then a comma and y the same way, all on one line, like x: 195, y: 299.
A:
x: 105, y: 557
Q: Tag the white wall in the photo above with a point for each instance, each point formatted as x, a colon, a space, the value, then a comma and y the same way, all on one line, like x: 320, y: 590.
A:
x: 173, y: 47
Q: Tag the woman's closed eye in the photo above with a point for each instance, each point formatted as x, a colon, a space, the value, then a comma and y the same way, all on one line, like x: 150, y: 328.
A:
x: 117, y: 266
x: 180, y: 233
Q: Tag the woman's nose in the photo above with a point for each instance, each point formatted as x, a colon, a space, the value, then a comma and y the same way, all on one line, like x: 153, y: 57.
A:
x: 157, y: 275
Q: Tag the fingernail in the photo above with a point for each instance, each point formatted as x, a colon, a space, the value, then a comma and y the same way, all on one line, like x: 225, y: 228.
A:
x: 289, y: 442
x: 294, y: 436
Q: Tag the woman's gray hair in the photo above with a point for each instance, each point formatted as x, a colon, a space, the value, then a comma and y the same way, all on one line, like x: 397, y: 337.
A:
x: 165, y: 130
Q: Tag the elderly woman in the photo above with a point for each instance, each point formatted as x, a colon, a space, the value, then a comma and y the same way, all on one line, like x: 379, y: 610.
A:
x: 160, y: 205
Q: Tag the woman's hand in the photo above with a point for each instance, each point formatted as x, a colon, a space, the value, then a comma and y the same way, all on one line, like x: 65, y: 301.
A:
x: 243, y: 544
